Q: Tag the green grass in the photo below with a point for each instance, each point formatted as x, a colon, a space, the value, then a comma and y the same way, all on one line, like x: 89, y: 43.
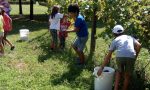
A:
x: 26, y: 9
x: 32, y: 66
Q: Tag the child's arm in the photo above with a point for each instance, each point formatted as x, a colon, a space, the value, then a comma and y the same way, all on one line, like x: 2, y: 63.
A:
x: 137, y: 47
x: 74, y: 30
x: 106, y: 61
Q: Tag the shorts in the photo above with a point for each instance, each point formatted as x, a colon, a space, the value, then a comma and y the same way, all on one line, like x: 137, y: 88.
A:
x: 125, y: 64
x: 80, y: 43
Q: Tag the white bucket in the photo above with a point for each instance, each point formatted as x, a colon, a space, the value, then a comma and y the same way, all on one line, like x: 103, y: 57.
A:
x: 105, y: 80
x: 24, y: 34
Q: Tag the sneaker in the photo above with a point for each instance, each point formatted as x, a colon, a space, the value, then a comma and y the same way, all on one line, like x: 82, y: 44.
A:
x: 12, y: 48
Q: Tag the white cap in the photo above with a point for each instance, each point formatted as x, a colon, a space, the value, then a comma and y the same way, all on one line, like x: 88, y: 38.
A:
x: 118, y: 29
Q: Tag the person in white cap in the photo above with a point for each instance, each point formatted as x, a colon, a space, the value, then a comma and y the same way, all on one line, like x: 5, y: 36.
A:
x: 127, y: 49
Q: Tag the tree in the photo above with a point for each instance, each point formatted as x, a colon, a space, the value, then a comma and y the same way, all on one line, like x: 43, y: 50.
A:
x: 31, y: 9
x: 132, y: 14
x: 93, y: 34
x: 20, y: 7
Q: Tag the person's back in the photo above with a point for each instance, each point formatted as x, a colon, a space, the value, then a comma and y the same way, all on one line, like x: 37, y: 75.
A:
x: 55, y: 21
x: 81, y: 24
x: 124, y: 46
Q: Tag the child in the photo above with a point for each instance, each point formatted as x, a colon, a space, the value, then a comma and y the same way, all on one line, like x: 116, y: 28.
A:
x: 127, y: 49
x: 80, y: 27
x: 64, y: 24
x: 1, y: 33
x: 7, y: 25
x: 54, y: 21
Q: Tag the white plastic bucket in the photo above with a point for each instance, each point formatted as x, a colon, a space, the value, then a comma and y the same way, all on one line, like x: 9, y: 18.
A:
x: 105, y: 80
x: 24, y: 34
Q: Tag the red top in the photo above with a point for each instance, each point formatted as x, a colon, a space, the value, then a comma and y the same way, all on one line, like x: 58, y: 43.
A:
x: 63, y: 27
x: 7, y: 22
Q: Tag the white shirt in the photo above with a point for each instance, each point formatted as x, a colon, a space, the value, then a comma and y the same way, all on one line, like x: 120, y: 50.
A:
x: 55, y: 22
x: 124, y: 45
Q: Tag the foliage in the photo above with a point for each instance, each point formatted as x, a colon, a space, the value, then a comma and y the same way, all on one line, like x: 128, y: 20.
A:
x: 132, y: 14
x: 18, y: 0
x: 86, y: 6
x: 26, y: 9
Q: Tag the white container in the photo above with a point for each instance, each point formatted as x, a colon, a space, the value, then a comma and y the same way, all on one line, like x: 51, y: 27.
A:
x: 24, y: 34
x: 105, y: 80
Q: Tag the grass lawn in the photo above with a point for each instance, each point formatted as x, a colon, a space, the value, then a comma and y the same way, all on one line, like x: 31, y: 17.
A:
x: 32, y: 66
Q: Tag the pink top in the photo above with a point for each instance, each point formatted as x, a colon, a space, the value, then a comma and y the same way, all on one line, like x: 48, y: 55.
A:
x: 63, y: 27
x: 7, y: 22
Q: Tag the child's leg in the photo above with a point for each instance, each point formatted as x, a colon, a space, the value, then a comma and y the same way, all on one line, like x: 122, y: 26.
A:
x: 79, y: 46
x: 119, y: 72
x: 129, y: 68
x: 63, y: 42
x: 80, y: 54
x: 117, y: 80
x: 54, y: 38
x: 127, y: 77
x: 5, y: 39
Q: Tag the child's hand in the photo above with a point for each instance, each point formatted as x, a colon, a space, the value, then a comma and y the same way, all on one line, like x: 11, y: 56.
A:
x: 100, y: 71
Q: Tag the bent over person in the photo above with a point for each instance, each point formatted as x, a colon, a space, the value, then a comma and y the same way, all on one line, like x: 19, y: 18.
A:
x: 127, y: 49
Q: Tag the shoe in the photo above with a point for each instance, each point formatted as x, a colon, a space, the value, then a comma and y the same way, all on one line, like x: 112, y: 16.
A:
x: 12, y: 48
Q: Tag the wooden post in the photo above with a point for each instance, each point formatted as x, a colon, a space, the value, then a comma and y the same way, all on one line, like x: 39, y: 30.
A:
x: 31, y: 9
x: 20, y: 7
x: 93, y: 41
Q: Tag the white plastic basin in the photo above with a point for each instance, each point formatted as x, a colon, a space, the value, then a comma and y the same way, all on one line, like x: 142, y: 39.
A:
x: 24, y: 33
x: 105, y: 80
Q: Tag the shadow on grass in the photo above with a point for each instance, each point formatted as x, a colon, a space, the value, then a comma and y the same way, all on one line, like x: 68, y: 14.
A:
x: 23, y: 22
x: 73, y: 75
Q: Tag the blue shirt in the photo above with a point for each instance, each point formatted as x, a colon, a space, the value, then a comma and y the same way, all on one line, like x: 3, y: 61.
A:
x: 81, y: 24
